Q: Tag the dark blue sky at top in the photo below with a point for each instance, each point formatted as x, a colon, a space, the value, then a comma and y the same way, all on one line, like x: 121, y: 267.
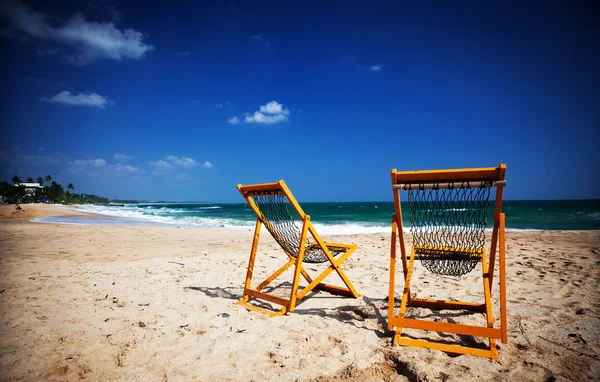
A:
x: 362, y: 87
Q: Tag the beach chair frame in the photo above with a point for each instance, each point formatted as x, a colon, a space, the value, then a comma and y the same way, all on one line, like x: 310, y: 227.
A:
x: 296, y: 259
x: 449, y: 178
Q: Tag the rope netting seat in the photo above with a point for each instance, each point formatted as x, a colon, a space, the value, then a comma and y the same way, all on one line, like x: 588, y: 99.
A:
x: 448, y: 225
x: 275, y: 210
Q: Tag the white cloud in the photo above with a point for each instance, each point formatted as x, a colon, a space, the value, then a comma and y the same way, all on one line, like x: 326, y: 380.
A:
x: 207, y: 164
x: 259, y: 117
x: 219, y: 106
x: 88, y: 41
x: 88, y: 163
x: 125, y: 167
x: 274, y: 108
x: 233, y: 120
x: 271, y: 113
x: 376, y: 68
x: 171, y: 162
x: 81, y: 99
x: 160, y: 164
x: 123, y: 157
x: 81, y: 164
x: 182, y: 161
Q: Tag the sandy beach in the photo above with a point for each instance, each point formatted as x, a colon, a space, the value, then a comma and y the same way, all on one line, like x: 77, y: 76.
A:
x: 158, y: 303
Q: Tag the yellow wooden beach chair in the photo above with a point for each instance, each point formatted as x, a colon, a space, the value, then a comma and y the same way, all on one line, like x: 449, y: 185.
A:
x: 275, y: 208
x: 448, y: 215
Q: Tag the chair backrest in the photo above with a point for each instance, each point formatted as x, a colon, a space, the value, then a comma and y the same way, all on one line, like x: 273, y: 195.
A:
x: 448, y: 212
x: 273, y: 203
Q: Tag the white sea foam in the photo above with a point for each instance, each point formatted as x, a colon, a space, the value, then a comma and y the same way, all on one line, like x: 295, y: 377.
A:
x: 146, y: 215
x: 164, y: 216
x: 348, y: 229
x: 134, y: 215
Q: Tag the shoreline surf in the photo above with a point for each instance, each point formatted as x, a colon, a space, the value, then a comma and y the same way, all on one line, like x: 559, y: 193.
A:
x: 328, y: 218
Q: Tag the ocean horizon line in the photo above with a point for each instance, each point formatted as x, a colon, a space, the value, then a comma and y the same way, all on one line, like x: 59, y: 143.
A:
x: 348, y: 201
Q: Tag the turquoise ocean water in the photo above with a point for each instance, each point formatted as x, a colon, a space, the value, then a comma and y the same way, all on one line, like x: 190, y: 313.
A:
x: 336, y: 218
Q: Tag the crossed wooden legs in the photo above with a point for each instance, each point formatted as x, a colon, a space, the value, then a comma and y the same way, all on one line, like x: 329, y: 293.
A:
x: 489, y: 331
x: 288, y: 305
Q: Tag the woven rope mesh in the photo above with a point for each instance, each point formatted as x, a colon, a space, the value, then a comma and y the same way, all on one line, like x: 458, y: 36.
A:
x: 448, y: 226
x: 275, y: 213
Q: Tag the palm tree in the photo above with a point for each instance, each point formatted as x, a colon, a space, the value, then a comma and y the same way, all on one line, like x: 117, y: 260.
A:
x: 16, y: 179
x: 48, y: 178
x: 30, y: 180
x: 40, y: 180
x: 70, y: 186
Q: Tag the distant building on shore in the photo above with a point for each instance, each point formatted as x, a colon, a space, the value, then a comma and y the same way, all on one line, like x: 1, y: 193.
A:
x: 29, y: 189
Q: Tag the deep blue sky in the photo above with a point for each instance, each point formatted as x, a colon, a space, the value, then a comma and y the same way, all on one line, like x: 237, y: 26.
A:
x: 359, y: 88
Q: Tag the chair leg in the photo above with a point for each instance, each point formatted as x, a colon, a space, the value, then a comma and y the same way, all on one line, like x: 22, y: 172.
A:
x: 503, y: 321
x: 405, y: 295
x: 392, y: 286
x: 253, y: 251
x: 297, y: 271
x: 486, y: 308
x: 488, y: 304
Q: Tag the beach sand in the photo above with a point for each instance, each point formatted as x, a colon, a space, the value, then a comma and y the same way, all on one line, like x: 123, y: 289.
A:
x: 157, y: 303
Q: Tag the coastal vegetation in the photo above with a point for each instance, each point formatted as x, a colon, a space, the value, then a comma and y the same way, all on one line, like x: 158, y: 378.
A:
x: 44, y: 189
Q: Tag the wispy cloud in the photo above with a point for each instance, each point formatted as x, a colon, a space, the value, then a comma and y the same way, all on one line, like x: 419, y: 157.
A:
x: 125, y: 167
x: 88, y: 162
x: 219, y: 106
x: 88, y: 41
x: 207, y: 164
x: 351, y: 61
x: 182, y: 161
x: 233, y: 120
x: 160, y: 164
x: 81, y: 99
x: 123, y: 157
x: 185, y: 53
x: 172, y: 162
x: 81, y: 164
x: 39, y: 158
x: 260, y: 38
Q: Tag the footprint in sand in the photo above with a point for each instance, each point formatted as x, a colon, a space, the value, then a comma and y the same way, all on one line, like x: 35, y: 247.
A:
x: 530, y: 371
